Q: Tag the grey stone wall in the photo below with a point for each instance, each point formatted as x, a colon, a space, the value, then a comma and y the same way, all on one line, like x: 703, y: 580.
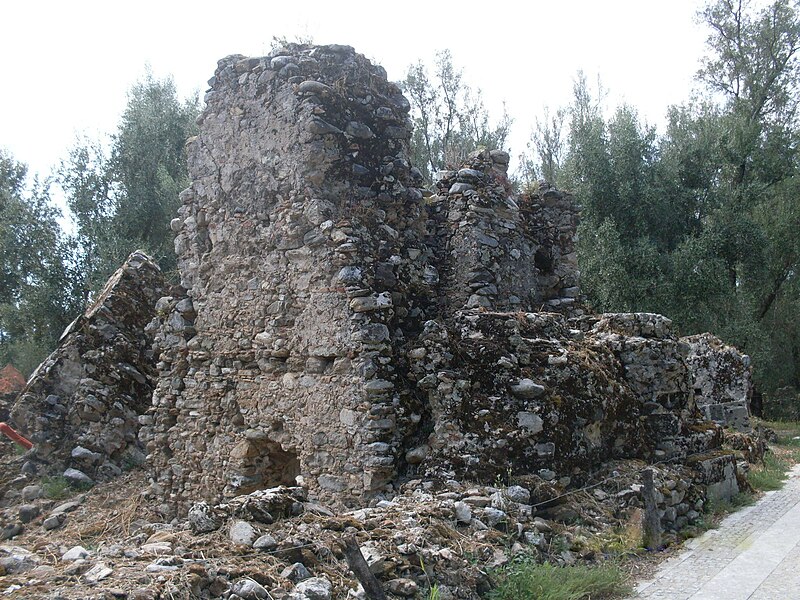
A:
x: 300, y: 245
x: 341, y: 329
x: 721, y: 379
x: 505, y: 252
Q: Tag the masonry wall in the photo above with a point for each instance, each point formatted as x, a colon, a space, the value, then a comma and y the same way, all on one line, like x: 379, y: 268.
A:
x: 300, y: 247
x: 721, y: 379
x: 341, y: 329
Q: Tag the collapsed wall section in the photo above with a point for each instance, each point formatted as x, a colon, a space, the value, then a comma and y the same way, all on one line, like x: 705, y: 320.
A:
x: 80, y: 407
x: 506, y: 252
x: 521, y: 393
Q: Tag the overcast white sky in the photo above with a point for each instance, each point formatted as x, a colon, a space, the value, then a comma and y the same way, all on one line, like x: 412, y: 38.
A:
x: 67, y: 65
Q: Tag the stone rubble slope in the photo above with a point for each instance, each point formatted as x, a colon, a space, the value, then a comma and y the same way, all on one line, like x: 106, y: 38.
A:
x: 111, y: 542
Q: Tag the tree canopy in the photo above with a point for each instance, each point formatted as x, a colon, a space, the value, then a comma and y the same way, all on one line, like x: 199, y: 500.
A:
x: 120, y: 194
x: 450, y: 119
x: 699, y: 223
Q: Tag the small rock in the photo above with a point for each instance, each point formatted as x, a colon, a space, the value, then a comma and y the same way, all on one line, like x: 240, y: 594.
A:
x: 359, y: 130
x: 547, y: 474
x: 493, y: 516
x: 97, y: 573
x: 28, y: 512
x: 75, y: 553
x: 460, y: 188
x: 157, y: 548
x: 76, y: 477
x: 499, y: 501
x: 296, y: 572
x: 375, y: 560
x: 65, y: 507
x: 315, y: 588
x: 156, y: 567
x: 11, y: 530
x: 279, y: 62
x: 541, y: 525
x: 202, y: 518
x: 161, y: 536
x: 463, y: 513
x: 266, y: 542
x: 535, y: 539
x: 242, y: 533
x: 478, y: 525
x: 31, y: 492
x: 530, y: 421
x: 77, y: 567
x: 317, y: 509
x: 14, y: 559
x: 86, y: 455
x: 247, y: 589
x: 54, y: 521
x: 518, y: 494
x: 320, y: 127
x: 313, y: 87
x: 417, y: 455
x: 527, y: 389
x: 403, y: 587
x: 469, y: 174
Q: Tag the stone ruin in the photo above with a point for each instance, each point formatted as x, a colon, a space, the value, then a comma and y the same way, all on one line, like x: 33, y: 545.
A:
x: 722, y: 381
x: 343, y: 328
x: 80, y: 407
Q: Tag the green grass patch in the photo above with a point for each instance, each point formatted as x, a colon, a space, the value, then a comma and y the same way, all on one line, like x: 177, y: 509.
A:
x: 782, y: 428
x: 56, y: 488
x: 771, y: 475
x: 529, y: 580
x: 718, y: 508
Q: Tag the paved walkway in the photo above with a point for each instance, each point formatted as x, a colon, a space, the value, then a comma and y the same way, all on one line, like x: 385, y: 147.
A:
x: 753, y: 555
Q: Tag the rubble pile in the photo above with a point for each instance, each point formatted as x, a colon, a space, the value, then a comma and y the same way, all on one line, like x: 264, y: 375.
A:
x: 277, y: 542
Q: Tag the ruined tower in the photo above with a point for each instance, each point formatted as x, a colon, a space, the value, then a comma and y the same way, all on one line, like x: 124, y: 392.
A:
x: 345, y: 329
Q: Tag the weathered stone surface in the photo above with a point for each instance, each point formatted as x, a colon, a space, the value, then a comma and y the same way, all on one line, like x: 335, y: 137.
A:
x: 314, y: 588
x: 276, y: 252
x: 247, y: 589
x: 721, y: 378
x: 242, y: 533
x: 81, y: 406
x: 340, y: 334
x: 203, y: 519
x: 75, y: 553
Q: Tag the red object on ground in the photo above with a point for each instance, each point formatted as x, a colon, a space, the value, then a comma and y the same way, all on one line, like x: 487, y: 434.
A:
x: 15, y: 437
